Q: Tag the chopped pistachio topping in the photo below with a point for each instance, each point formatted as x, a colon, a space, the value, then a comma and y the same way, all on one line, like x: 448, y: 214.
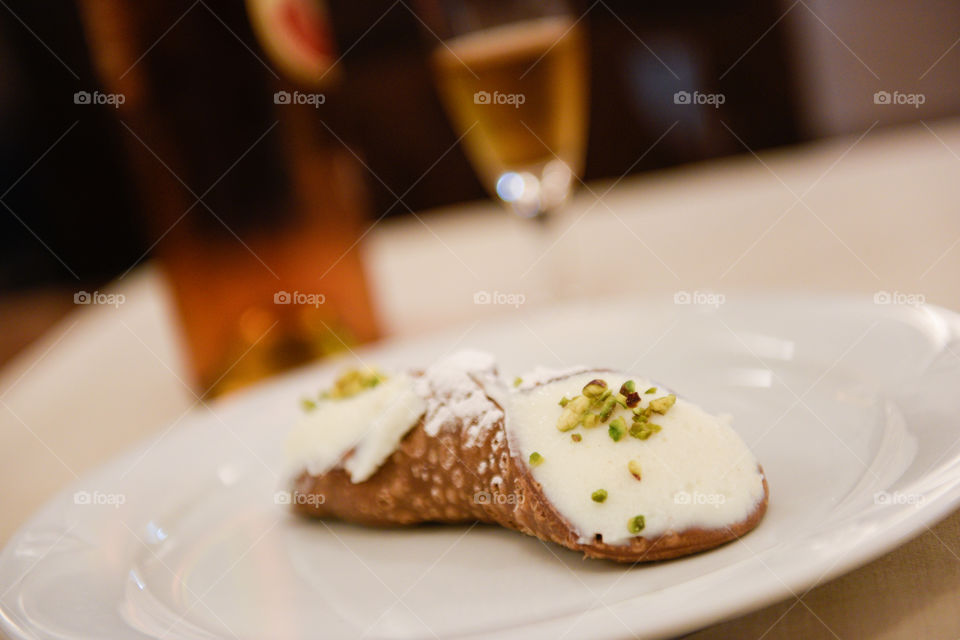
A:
x: 607, y: 408
x: 576, y: 437
x: 634, y: 467
x: 598, y: 402
x: 536, y: 459
x: 644, y: 430
x: 573, y: 413
x: 594, y: 388
x: 662, y: 405
x: 517, y: 381
x: 617, y: 429
x: 591, y: 409
x: 308, y: 404
x: 353, y: 381
x: 650, y: 390
x: 599, y: 495
x: 636, y: 524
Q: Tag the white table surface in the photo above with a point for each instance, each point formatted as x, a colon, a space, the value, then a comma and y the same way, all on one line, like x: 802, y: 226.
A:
x: 871, y: 214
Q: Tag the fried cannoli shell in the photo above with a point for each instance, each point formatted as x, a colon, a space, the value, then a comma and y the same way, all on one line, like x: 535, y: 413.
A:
x: 443, y: 479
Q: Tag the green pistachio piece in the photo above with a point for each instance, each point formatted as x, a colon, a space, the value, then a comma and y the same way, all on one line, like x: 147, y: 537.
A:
x: 617, y: 429
x: 628, y: 387
x: 599, y: 495
x: 594, y: 388
x: 573, y: 413
x: 536, y: 459
x: 576, y: 437
x: 579, y: 404
x: 517, y: 381
x: 308, y: 404
x: 644, y: 430
x: 568, y: 420
x: 352, y: 382
x: 607, y: 409
x: 564, y: 401
x: 651, y: 390
x: 634, y: 467
x: 636, y: 524
x: 662, y: 405
x: 590, y: 420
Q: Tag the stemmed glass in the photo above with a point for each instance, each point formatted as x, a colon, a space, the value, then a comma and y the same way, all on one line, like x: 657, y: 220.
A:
x: 512, y: 75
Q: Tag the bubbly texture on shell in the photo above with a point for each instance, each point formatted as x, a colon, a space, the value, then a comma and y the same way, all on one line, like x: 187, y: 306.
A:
x: 695, y: 472
x: 360, y: 431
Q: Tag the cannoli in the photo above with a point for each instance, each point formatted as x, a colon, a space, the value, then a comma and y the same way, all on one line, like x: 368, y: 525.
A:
x: 598, y: 461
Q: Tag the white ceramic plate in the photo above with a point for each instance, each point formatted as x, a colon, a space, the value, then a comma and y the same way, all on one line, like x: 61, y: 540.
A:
x: 849, y: 404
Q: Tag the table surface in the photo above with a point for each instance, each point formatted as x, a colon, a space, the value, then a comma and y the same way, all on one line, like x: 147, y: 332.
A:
x: 868, y: 214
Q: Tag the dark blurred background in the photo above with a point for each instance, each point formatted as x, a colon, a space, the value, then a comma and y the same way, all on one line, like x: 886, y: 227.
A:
x: 76, y: 212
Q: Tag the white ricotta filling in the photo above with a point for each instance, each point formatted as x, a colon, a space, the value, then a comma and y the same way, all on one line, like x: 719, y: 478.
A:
x: 696, y: 472
x: 371, y: 423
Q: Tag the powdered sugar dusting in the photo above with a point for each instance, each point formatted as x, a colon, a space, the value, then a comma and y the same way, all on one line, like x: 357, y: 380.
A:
x: 543, y: 375
x: 458, y: 391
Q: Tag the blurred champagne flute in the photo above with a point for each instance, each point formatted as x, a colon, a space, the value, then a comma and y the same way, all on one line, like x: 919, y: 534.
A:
x: 512, y: 75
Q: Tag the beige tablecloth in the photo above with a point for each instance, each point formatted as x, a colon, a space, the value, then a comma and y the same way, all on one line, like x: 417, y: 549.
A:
x: 875, y: 213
